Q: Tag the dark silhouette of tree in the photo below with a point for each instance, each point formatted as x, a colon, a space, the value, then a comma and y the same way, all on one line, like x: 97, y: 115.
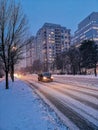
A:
x: 58, y: 61
x: 89, y: 53
x: 73, y: 60
x: 12, y: 35
x: 69, y: 61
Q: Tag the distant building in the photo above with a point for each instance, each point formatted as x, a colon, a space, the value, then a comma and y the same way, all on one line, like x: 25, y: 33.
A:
x: 30, y: 51
x: 87, y: 29
x: 52, y: 39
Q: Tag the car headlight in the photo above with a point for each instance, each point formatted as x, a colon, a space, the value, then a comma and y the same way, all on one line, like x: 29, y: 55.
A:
x: 44, y: 78
x: 51, y: 77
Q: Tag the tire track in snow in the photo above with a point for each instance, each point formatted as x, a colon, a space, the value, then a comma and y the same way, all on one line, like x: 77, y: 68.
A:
x: 75, y: 117
x: 70, y: 92
x: 84, y: 90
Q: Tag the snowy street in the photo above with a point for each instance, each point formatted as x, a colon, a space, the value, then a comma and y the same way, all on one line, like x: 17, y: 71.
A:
x: 74, y: 99
x: 48, y: 64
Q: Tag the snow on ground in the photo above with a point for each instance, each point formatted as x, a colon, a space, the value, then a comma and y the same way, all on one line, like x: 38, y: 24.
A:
x: 1, y: 79
x: 81, y: 77
x: 22, y: 109
x: 78, y: 76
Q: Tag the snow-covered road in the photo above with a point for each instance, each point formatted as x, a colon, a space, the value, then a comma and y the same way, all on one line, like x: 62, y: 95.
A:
x: 77, y: 100
x: 87, y: 80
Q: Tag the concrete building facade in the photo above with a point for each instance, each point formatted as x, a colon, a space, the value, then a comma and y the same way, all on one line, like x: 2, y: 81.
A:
x: 87, y: 29
x: 52, y: 39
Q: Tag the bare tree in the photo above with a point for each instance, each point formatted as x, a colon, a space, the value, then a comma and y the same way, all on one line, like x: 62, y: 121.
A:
x: 13, y: 26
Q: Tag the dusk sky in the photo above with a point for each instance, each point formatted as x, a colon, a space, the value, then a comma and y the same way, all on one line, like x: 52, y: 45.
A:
x: 67, y: 13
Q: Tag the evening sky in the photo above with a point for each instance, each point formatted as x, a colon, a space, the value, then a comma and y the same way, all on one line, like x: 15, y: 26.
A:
x: 67, y: 13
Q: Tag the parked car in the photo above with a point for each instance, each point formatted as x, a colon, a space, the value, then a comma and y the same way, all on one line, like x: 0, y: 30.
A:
x: 45, y: 76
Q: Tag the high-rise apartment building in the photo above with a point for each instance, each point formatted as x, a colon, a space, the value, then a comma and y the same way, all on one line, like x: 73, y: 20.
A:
x: 30, y: 51
x: 52, y: 39
x: 87, y: 29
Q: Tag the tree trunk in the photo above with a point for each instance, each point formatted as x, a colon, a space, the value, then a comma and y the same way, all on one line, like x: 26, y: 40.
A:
x: 95, y: 72
x: 73, y: 70
x: 85, y: 71
x: 13, y: 73
x: 7, y: 83
x: 79, y: 68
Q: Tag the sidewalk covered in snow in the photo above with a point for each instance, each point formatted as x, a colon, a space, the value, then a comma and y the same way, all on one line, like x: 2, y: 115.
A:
x: 22, y: 109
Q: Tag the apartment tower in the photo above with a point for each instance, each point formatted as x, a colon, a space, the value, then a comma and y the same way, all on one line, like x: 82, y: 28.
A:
x: 52, y: 39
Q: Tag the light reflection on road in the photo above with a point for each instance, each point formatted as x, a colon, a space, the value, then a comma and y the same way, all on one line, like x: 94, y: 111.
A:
x: 82, y: 99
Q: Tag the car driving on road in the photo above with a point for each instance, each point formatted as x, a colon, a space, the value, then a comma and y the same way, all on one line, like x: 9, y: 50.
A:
x: 45, y: 76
